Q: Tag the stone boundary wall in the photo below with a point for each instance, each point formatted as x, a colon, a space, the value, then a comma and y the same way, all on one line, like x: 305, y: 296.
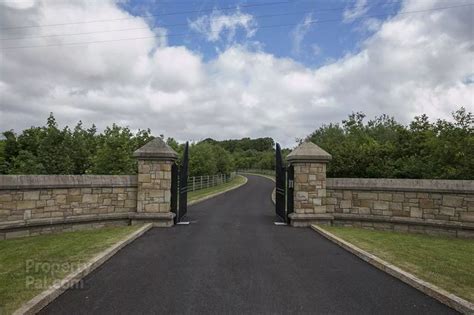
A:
x: 413, y: 205
x: 39, y: 204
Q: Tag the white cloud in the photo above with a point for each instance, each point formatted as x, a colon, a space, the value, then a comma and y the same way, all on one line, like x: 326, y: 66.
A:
x: 413, y: 64
x: 299, y: 32
x: 316, y: 49
x: 359, y: 8
x: 214, y: 25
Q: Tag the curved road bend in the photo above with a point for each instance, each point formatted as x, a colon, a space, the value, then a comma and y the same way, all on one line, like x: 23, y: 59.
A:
x: 234, y: 260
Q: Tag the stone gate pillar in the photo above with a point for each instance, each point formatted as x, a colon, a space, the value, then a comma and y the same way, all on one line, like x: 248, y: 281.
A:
x: 309, y: 162
x: 154, y: 183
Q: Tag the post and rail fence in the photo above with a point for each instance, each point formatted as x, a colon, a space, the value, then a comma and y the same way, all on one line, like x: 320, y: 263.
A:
x: 207, y: 181
x: 257, y: 171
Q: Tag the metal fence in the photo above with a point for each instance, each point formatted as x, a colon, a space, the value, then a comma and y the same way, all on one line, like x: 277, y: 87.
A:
x: 257, y: 171
x: 206, y: 181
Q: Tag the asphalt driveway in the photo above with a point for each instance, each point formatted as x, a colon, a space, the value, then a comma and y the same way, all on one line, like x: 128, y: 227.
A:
x: 232, y: 259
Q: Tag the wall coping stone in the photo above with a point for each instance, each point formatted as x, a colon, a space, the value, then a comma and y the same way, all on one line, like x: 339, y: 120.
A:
x: 14, y: 182
x: 397, y: 184
x: 308, y: 152
x: 69, y: 220
x: 4, y: 226
x: 156, y: 149
x: 405, y: 220
x: 149, y: 216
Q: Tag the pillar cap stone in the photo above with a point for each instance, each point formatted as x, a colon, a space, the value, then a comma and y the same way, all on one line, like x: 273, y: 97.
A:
x: 308, y: 152
x: 156, y: 149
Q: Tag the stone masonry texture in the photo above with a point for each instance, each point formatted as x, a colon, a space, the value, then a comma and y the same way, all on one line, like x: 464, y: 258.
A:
x: 154, y: 186
x: 17, y: 205
x: 310, y: 188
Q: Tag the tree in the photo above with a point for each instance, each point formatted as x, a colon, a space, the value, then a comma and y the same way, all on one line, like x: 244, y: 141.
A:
x: 385, y: 148
x: 114, y: 152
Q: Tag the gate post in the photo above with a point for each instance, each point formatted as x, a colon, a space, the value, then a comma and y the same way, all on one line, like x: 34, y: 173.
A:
x: 155, y: 160
x: 309, y: 162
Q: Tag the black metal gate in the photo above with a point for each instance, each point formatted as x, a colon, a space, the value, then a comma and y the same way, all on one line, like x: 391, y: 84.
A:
x: 179, y: 187
x: 284, y: 178
x: 183, y: 185
x: 290, y: 187
x: 174, y: 191
x: 280, y: 179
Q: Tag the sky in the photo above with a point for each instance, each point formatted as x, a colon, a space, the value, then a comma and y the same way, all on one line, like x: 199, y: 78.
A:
x: 231, y: 69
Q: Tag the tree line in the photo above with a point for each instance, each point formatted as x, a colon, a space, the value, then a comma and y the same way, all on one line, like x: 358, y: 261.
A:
x: 380, y: 147
x: 384, y: 148
x: 52, y: 150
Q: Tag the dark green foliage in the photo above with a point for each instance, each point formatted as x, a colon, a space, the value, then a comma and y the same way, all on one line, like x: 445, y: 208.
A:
x: 50, y: 150
x: 115, y: 148
x: 385, y: 148
x: 249, y: 153
x: 208, y: 159
x: 379, y: 148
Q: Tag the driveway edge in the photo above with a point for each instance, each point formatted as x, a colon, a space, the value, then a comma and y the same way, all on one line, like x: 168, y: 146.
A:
x: 270, y: 178
x: 429, y: 289
x: 34, y: 305
x: 218, y: 193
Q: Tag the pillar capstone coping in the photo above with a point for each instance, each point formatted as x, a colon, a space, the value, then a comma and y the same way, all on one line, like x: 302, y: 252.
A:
x: 156, y: 149
x: 308, y: 152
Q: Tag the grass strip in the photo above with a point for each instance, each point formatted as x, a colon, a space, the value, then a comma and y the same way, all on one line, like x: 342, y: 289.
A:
x: 446, y: 262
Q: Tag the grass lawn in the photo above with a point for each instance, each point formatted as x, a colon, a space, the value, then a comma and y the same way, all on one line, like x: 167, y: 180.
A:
x: 198, y: 194
x: 29, y: 265
x: 443, y: 261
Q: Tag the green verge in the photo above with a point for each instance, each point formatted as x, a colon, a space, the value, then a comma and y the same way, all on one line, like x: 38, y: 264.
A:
x: 30, y: 265
x: 202, y: 193
x: 443, y: 261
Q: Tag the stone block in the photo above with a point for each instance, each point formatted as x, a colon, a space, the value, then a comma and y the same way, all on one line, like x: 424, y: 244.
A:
x: 27, y: 215
x: 74, y: 191
x: 5, y: 197
x: 363, y: 210
x: 60, y: 199
x: 321, y: 192
x: 396, y: 206
x: 118, y: 190
x: 452, y: 201
x: 164, y: 207
x: 385, y: 196
x: 130, y: 203
x: 366, y: 203
x: 399, y: 197
x: 31, y: 195
x: 446, y: 211
x: 15, y: 234
x: 301, y: 195
x: 426, y: 203
x: 319, y: 209
x: 416, y: 213
x: 26, y: 204
x: 301, y: 178
x: 144, y: 178
x: 73, y: 198
x: 366, y: 195
x: 58, y: 191
x: 381, y: 205
x: 90, y: 198
x: 152, y: 207
x: 347, y: 194
x: 345, y: 204
x: 467, y: 216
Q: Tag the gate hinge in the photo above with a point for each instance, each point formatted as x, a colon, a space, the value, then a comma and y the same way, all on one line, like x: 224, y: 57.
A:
x: 290, y: 183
